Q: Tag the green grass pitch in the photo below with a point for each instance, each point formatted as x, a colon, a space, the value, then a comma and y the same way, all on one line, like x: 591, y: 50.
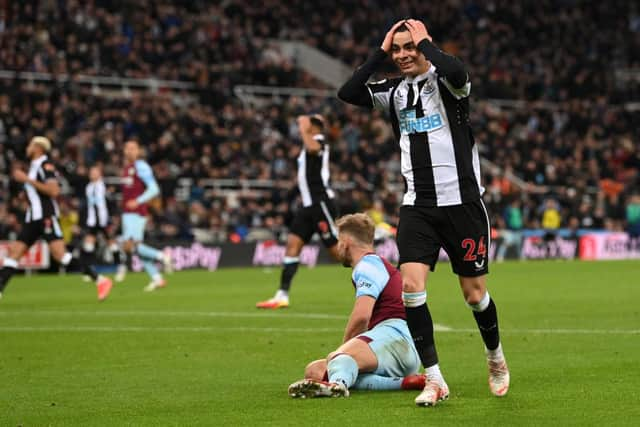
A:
x: 199, y: 353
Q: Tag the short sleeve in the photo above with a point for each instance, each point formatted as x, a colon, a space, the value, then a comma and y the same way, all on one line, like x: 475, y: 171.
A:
x: 370, y: 276
x: 145, y: 173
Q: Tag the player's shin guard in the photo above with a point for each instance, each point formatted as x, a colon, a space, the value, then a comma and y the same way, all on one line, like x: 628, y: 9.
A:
x: 71, y: 263
x: 486, y: 317
x: 377, y: 382
x: 289, y: 269
x: 421, y: 326
x: 343, y: 368
x: 9, y: 267
x: 148, y: 252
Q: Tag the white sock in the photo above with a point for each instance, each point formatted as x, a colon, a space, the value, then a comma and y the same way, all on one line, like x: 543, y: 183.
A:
x: 156, y: 277
x: 434, y: 372
x: 10, y: 262
x: 66, y: 259
x: 496, y: 354
x: 281, y: 294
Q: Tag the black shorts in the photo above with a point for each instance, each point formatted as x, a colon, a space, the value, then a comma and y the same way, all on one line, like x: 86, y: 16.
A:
x: 319, y: 218
x: 47, y: 229
x: 462, y: 230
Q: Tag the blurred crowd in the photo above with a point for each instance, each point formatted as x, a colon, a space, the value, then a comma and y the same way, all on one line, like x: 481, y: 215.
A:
x: 568, y: 158
x: 543, y: 50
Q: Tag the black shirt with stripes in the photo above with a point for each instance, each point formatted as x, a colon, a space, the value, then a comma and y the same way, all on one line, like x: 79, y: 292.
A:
x: 41, y: 205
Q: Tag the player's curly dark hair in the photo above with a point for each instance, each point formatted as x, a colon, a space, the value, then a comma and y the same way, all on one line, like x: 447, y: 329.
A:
x: 317, y: 121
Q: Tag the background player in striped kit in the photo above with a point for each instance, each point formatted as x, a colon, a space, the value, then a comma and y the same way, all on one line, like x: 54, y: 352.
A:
x: 41, y: 222
x: 442, y: 207
x: 139, y: 187
x: 318, y: 211
x: 97, y: 219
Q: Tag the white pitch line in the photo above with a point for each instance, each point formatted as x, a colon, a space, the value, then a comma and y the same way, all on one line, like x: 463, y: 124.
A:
x: 161, y: 329
x: 437, y: 328
x: 576, y: 331
x: 323, y: 316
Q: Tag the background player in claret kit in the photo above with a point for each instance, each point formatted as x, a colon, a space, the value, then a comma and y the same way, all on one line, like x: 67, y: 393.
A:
x: 138, y: 188
x: 318, y: 211
x: 442, y: 207
x: 41, y: 222
x: 97, y: 219
x: 377, y: 351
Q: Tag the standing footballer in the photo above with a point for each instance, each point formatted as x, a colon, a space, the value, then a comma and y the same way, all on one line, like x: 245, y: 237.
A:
x: 442, y: 207
x: 318, y: 209
x: 41, y: 222
x: 97, y: 218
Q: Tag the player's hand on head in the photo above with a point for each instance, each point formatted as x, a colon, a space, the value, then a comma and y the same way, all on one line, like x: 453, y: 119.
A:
x: 388, y: 39
x: 20, y: 176
x: 304, y: 123
x: 418, y: 31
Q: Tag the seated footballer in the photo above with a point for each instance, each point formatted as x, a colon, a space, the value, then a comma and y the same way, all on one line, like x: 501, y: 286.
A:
x: 377, y: 351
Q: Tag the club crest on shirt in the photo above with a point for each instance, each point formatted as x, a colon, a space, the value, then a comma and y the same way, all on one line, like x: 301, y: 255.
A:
x: 428, y: 88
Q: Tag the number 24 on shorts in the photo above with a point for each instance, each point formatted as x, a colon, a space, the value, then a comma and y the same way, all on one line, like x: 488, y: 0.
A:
x: 470, y: 246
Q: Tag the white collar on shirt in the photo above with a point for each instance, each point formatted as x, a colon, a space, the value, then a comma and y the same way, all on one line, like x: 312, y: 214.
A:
x: 421, y: 77
x: 39, y: 160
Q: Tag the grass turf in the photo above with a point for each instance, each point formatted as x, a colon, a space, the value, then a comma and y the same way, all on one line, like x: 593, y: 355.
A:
x: 199, y: 353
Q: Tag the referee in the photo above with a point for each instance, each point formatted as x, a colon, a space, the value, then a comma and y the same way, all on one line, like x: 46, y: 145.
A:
x: 41, y: 221
x: 428, y: 107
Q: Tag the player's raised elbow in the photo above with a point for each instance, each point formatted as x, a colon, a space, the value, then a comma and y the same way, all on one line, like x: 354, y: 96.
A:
x: 459, y: 78
x: 343, y: 94
x: 354, y: 94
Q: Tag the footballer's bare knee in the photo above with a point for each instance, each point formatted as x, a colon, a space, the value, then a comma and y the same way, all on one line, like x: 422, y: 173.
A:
x: 360, y: 351
x: 414, y: 276
x: 473, y: 289
x: 294, y: 245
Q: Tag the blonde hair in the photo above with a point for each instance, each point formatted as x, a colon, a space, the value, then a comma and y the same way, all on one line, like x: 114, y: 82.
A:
x: 42, y: 141
x: 359, y: 225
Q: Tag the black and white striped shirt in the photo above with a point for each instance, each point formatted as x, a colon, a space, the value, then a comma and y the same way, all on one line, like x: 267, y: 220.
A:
x: 439, y: 159
x: 314, y: 175
x: 97, y: 211
x: 40, y: 205
x: 429, y: 114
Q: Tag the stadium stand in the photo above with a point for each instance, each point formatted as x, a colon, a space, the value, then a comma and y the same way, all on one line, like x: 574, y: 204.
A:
x: 555, y: 105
